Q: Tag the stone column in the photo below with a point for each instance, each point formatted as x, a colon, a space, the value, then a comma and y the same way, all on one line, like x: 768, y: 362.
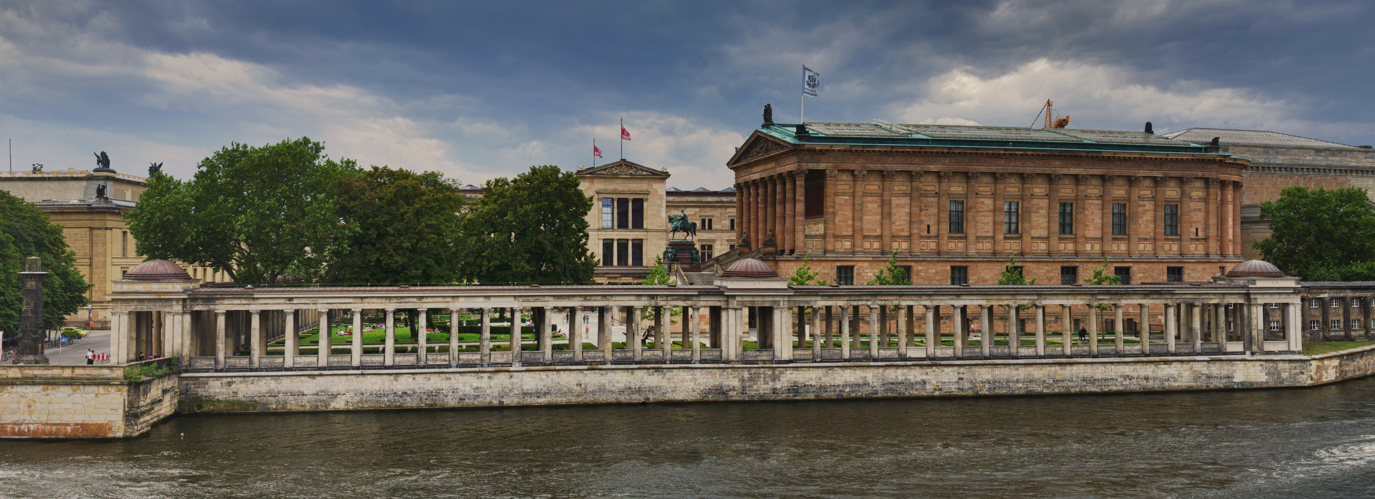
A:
x: 604, y: 339
x: 219, y: 338
x: 1118, y: 324
x: 901, y: 322
x: 873, y: 332
x: 663, y: 339
x: 256, y: 340
x: 695, y: 326
x: 985, y: 331
x: 1106, y: 194
x: 1067, y: 330
x: 799, y: 220
x: 829, y: 203
x: 816, y: 333
x: 1158, y: 232
x: 1219, y: 325
x: 845, y: 332
x: 1210, y: 216
x: 1144, y: 328
x: 389, y: 349
x: 739, y: 213
x: 632, y: 330
x: 857, y: 214
x: 421, y: 333
x: 943, y: 214
x: 1196, y: 327
x: 785, y: 208
x: 886, y: 211
x: 1170, y: 322
x: 1040, y: 330
x: 757, y: 210
x: 515, y: 336
x: 772, y: 201
x: 1293, y: 334
x: 1133, y: 214
x: 1081, y: 224
x: 289, y: 355
x: 1257, y: 328
x: 932, y: 330
x: 1093, y: 329
x: 484, y: 339
x: 546, y: 334
x: 957, y: 324
x: 1014, y: 334
x: 356, y: 350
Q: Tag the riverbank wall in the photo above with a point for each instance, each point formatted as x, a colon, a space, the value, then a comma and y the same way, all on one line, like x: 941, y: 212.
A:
x: 494, y: 387
x: 81, y: 402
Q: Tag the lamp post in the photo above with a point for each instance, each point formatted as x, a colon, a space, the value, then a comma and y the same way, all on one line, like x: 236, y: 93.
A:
x: 31, y: 314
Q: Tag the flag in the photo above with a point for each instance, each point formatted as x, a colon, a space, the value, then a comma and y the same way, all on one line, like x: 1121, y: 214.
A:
x: 811, y: 80
x: 596, y: 151
x: 625, y: 134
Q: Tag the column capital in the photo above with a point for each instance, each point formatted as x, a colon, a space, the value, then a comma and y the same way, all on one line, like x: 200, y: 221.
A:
x: 831, y: 173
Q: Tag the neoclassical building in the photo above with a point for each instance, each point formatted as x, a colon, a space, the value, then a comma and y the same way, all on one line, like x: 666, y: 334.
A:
x: 955, y: 202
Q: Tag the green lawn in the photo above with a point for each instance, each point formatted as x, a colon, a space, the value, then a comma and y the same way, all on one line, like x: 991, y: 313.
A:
x: 1322, y: 347
x: 379, y: 335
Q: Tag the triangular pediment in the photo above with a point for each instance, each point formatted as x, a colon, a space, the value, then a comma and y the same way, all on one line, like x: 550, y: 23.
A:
x: 758, y: 145
x: 623, y: 168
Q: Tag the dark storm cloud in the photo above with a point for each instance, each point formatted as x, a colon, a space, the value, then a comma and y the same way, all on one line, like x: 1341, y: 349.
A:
x: 487, y: 88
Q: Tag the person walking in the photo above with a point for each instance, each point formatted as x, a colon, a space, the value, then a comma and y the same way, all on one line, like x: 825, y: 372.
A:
x: 1083, y: 335
x: 90, y: 356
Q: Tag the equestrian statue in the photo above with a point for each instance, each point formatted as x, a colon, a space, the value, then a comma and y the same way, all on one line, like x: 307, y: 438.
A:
x: 679, y: 223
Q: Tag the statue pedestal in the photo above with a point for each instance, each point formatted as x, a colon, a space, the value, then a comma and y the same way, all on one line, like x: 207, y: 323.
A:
x: 682, y: 255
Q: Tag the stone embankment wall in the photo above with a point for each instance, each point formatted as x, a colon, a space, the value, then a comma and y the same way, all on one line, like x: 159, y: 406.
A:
x: 405, y: 389
x: 80, y: 402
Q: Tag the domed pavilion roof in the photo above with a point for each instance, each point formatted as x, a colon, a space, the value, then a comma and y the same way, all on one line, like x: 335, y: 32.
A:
x: 749, y: 268
x: 157, y: 270
x: 1255, y: 268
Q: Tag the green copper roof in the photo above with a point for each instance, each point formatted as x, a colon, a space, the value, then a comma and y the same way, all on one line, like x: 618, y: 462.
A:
x: 889, y: 134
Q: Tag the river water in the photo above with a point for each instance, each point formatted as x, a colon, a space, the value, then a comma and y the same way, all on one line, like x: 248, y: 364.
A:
x: 1274, y: 443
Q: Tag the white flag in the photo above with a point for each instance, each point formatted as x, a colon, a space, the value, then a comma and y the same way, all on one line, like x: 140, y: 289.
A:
x: 811, y: 80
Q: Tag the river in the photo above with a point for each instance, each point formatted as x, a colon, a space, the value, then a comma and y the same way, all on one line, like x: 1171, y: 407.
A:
x: 1273, y: 443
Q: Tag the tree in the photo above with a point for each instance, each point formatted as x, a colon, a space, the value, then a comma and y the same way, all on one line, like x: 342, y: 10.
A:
x: 803, y: 275
x: 891, y: 274
x: 1321, y: 234
x: 657, y: 275
x: 407, y: 228
x: 255, y: 213
x: 1101, y: 277
x: 25, y: 232
x: 1012, y: 274
x: 530, y: 229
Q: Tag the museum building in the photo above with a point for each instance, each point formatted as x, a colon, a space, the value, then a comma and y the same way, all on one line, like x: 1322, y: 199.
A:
x: 955, y: 202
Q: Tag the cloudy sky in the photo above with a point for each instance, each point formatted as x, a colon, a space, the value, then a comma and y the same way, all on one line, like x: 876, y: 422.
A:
x: 485, y: 89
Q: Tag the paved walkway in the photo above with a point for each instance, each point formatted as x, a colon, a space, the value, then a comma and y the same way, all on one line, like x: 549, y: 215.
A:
x: 75, y: 352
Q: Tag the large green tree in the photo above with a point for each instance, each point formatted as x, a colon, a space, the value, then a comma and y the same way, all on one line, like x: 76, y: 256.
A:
x: 255, y: 213
x: 1320, y: 234
x: 408, y: 228
x: 25, y: 232
x: 529, y: 229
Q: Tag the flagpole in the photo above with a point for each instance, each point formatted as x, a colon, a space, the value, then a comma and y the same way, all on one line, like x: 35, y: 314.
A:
x: 802, y: 99
x: 594, y: 152
x: 622, y: 141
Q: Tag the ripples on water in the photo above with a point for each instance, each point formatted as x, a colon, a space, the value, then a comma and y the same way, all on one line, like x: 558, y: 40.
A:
x: 1283, y: 443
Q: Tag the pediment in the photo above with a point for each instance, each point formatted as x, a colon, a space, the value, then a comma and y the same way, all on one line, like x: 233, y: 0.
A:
x: 623, y: 168
x: 757, y: 146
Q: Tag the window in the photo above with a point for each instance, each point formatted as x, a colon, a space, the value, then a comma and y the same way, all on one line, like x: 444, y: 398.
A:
x: 845, y: 275
x: 1335, y: 324
x: 1010, y: 218
x: 123, y: 273
x: 622, y: 252
x: 124, y: 243
x: 1274, y: 305
x: 732, y: 247
x: 608, y: 213
x: 957, y: 217
x: 1314, y: 303
x: 1066, y: 219
x: 706, y: 252
x: 1174, y: 274
x: 1124, y: 274
x: 637, y: 213
x: 1355, y: 323
x: 906, y: 274
x: 1069, y: 275
x: 1336, y: 302
x: 959, y: 276
x: 1119, y: 219
x: 1355, y: 303
x: 622, y: 213
x: 1274, y: 325
x: 732, y: 224
x: 1314, y: 325
x: 637, y: 253
x: 813, y: 194
x: 1172, y: 220
x: 608, y: 252
x: 705, y: 224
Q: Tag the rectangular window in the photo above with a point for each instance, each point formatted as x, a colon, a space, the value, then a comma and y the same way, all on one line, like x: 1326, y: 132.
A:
x: 1174, y: 274
x: 608, y: 213
x: 622, y: 213
x: 1355, y: 303
x: 1011, y: 218
x: 732, y: 247
x: 959, y: 276
x: 637, y: 213
x: 706, y: 252
x: 1172, y: 220
x: 1124, y: 274
x: 1069, y: 276
x: 1274, y: 325
x: 956, y: 217
x: 1336, y: 324
x: 732, y: 224
x: 813, y: 192
x: 1066, y: 219
x: 1119, y: 219
x: 1274, y: 305
x: 1336, y: 302
x: 1314, y: 325
x: 608, y: 252
x: 637, y: 253
x: 1314, y: 303
x: 1355, y: 323
x: 622, y: 252
x: 704, y: 224
x: 845, y: 275
x: 906, y: 274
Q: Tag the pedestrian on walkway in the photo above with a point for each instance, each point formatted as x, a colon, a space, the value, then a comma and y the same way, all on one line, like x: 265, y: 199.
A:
x: 90, y: 356
x: 1083, y: 334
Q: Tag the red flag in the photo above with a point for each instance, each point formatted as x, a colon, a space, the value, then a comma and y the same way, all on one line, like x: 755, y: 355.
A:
x: 596, y: 151
x: 625, y: 135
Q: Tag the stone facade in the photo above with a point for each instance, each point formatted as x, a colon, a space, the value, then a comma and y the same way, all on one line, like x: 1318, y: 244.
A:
x: 714, y: 214
x: 852, y: 194
x: 626, y: 234
x: 81, y: 402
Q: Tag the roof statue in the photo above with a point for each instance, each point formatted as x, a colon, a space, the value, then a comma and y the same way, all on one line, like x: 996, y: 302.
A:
x: 768, y: 241
x: 768, y: 113
x: 1149, y: 129
x: 100, y: 191
x: 102, y: 162
x: 38, y: 167
x: 153, y: 169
